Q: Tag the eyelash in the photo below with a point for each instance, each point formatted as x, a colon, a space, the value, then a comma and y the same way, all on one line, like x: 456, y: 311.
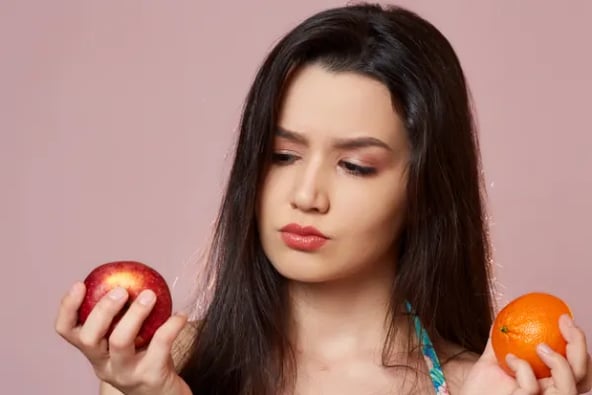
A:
x: 283, y: 159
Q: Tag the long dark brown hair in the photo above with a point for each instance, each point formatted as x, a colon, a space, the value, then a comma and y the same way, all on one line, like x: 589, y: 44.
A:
x: 443, y: 264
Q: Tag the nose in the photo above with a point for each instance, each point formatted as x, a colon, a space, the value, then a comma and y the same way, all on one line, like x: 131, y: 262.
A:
x: 310, y: 192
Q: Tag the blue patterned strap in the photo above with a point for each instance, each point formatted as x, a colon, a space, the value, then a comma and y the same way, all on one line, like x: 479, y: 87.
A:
x: 430, y: 356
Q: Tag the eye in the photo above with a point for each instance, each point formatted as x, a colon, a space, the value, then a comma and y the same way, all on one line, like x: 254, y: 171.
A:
x: 358, y: 170
x: 282, y: 158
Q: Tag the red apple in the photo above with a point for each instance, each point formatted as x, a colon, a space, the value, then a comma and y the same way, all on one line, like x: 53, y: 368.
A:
x: 135, y: 277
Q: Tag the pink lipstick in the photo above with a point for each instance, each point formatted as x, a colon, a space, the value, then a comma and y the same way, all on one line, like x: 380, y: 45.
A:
x: 305, y: 238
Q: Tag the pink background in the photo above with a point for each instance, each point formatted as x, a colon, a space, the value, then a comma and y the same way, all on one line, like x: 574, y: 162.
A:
x: 118, y: 117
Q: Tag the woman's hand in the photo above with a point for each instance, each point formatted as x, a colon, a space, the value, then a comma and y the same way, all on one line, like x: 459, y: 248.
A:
x: 569, y: 376
x: 115, y: 360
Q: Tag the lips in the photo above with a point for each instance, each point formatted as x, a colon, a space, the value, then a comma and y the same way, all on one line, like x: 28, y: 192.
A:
x: 306, y: 238
x: 303, y: 230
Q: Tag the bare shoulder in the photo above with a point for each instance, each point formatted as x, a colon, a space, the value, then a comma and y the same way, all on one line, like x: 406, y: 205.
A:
x: 183, y: 343
x: 456, y: 362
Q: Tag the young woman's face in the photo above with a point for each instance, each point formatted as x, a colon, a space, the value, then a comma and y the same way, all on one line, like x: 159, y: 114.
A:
x: 339, y: 165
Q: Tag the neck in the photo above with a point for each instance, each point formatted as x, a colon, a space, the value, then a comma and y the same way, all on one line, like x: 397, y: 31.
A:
x: 342, y: 318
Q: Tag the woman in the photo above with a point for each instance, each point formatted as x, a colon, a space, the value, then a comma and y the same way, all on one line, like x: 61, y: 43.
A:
x: 351, y: 253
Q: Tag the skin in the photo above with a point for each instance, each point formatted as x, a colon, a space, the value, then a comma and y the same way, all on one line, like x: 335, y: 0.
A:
x: 569, y: 375
x: 339, y: 293
x: 320, y: 178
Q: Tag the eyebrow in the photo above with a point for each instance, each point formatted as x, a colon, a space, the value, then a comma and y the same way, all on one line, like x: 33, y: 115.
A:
x: 342, y: 143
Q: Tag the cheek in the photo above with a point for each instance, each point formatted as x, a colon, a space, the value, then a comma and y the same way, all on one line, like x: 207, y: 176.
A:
x: 373, y: 211
x: 270, y: 196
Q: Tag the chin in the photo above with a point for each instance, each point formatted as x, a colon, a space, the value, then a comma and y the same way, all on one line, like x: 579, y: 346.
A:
x: 305, y: 270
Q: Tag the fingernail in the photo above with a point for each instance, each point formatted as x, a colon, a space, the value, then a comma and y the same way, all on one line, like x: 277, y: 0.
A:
x: 75, y: 288
x: 569, y: 322
x: 511, y: 358
x: 117, y: 293
x: 181, y: 314
x: 146, y: 297
x: 544, y: 349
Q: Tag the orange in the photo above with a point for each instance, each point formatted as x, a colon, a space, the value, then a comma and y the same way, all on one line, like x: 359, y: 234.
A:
x: 524, y: 323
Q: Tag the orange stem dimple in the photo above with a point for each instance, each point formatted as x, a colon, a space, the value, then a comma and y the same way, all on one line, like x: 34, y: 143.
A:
x: 505, y: 329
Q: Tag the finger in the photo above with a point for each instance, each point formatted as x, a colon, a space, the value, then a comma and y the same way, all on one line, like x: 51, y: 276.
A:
x: 527, y: 382
x: 159, y: 348
x: 98, y: 322
x: 563, y: 377
x: 585, y: 384
x: 522, y: 391
x: 121, y: 341
x: 67, y: 318
x: 577, y: 349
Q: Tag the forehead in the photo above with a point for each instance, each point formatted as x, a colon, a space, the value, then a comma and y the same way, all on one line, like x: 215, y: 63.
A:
x: 322, y: 103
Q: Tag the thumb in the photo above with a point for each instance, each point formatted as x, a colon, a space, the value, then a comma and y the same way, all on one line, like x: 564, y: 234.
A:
x: 488, y: 354
x: 162, y: 345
